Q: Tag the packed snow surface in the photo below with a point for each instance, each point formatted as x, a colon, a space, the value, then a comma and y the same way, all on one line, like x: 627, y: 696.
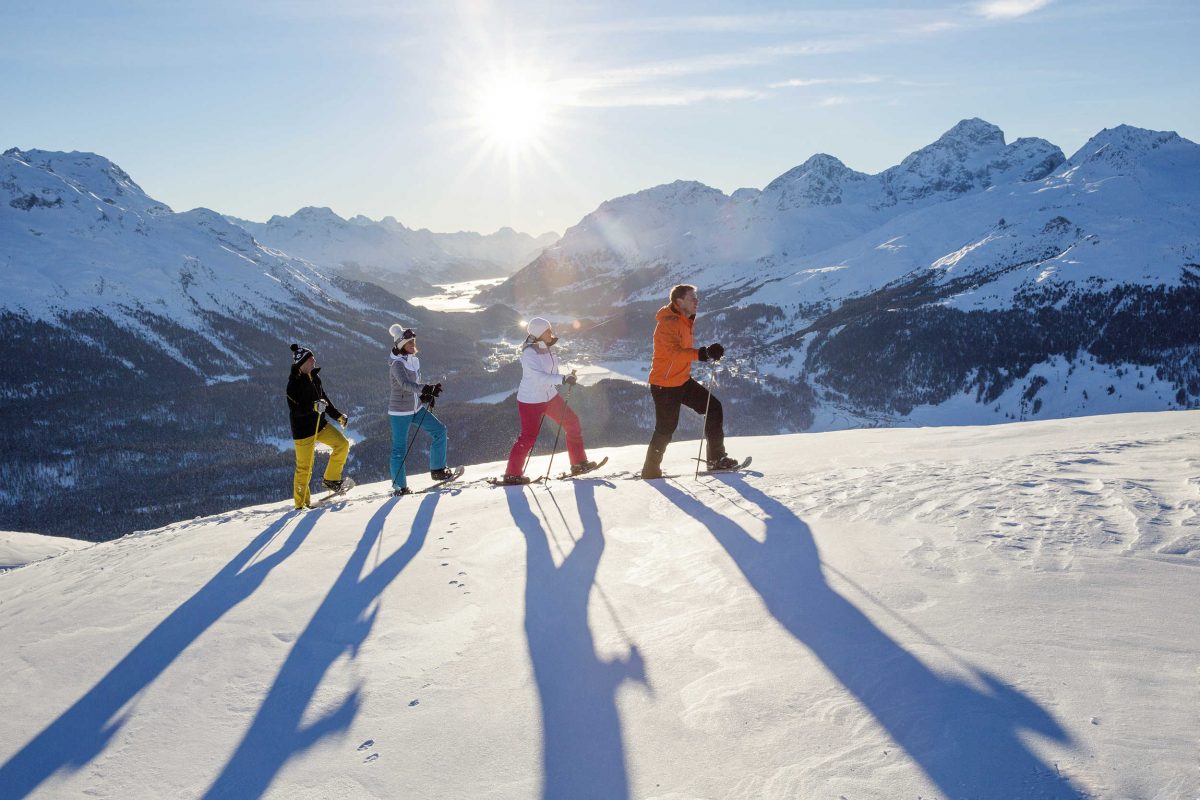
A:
x: 994, y: 612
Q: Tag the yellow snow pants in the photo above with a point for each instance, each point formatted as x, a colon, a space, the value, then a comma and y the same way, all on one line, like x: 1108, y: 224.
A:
x: 331, y: 436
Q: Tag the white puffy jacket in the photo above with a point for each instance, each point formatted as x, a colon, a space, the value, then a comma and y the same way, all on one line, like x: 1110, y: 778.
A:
x: 539, y: 374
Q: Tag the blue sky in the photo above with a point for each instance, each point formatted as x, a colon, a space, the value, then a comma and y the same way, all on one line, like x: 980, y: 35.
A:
x: 475, y: 115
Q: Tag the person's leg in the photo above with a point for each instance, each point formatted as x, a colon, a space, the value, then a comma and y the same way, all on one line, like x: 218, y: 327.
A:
x: 558, y: 410
x: 437, y: 446
x: 531, y: 420
x: 697, y: 398
x: 666, y: 419
x: 332, y: 436
x: 304, y: 460
x: 400, y: 425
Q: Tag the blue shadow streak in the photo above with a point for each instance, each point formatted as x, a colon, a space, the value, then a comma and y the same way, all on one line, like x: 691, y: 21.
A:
x: 340, y: 625
x: 964, y: 739
x: 83, y: 731
x: 583, y: 753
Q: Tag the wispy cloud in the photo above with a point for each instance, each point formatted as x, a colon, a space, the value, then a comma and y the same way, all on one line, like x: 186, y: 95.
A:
x: 1009, y: 9
x: 680, y: 97
x: 834, y: 100
x: 801, y: 82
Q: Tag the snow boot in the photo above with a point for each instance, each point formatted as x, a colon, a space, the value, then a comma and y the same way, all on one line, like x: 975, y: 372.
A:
x: 514, y: 480
x: 652, y: 468
x: 333, y: 486
x: 722, y: 463
x: 400, y: 491
x: 442, y: 474
x: 582, y: 467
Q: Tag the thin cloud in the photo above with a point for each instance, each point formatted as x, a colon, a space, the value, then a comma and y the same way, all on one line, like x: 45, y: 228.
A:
x: 1009, y: 9
x: 682, y: 97
x: 801, y: 82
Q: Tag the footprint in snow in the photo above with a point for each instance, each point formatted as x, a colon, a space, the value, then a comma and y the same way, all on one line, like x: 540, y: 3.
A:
x: 413, y: 703
x: 371, y: 758
x: 367, y: 745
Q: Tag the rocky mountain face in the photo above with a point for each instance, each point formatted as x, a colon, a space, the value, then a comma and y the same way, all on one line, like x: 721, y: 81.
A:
x: 975, y: 281
x: 147, y: 352
x: 398, y: 258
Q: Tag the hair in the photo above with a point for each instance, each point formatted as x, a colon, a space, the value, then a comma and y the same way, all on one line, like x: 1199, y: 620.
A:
x: 679, y: 290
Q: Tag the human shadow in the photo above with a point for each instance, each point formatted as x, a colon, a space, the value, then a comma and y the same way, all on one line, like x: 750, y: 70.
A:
x: 82, y: 732
x: 965, y: 738
x: 340, y: 625
x: 583, y: 752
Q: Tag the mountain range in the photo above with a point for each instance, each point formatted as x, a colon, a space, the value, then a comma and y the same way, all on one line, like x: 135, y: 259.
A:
x: 392, y: 255
x: 148, y: 351
x: 977, y: 281
x: 965, y: 284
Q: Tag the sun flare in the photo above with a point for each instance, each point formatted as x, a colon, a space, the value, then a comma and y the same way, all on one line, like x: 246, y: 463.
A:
x: 513, y: 110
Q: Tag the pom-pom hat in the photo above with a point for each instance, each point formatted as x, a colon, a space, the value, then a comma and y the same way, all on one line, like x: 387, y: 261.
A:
x: 300, y: 354
x: 537, y: 326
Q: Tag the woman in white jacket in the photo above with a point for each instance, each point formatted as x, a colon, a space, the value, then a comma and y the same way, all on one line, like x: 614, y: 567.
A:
x: 537, y: 396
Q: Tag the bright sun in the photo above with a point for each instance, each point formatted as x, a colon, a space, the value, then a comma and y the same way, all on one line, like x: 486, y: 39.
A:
x: 513, y: 111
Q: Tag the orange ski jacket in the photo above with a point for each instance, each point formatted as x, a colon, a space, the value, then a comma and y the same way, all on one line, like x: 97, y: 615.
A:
x: 671, y: 364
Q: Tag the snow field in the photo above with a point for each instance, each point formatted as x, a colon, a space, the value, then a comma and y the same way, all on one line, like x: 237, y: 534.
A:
x: 1006, y: 611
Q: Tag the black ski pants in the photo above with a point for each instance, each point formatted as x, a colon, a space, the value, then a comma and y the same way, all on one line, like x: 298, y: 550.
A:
x: 667, y: 401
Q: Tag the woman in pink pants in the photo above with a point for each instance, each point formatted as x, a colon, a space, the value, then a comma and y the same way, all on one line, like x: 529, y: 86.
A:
x: 537, y: 396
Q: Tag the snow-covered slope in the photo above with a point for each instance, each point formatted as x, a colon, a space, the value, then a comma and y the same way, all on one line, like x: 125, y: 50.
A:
x: 1001, y: 612
x: 388, y: 252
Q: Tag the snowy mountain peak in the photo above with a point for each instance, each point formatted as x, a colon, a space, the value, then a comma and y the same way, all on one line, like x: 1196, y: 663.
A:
x: 970, y: 156
x: 1122, y: 147
x: 972, y: 133
x: 67, y: 176
x: 819, y: 181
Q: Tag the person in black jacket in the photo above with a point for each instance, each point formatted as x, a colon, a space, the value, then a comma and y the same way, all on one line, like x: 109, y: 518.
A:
x: 308, y: 406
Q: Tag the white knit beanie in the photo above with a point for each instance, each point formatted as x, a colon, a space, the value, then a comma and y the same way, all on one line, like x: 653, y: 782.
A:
x: 537, y: 326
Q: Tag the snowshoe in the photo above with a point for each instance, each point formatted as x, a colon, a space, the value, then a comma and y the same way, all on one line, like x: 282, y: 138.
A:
x: 335, y: 488
x: 512, y: 480
x: 727, y: 464
x: 444, y: 474
x: 400, y: 491
x: 583, y: 468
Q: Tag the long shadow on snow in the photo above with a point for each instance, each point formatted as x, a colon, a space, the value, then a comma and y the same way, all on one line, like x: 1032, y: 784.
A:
x: 83, y: 731
x: 965, y: 739
x: 341, y: 624
x: 583, y: 754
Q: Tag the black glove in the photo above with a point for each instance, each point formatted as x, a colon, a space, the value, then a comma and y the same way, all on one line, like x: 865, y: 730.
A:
x: 427, y: 394
x: 437, y: 390
x: 570, y: 380
x: 702, y: 354
x: 715, y: 351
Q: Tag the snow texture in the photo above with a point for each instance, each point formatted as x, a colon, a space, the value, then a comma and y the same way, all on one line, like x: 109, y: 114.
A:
x: 997, y: 612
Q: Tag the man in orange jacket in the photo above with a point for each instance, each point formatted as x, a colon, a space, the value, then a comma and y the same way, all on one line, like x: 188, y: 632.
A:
x: 672, y: 385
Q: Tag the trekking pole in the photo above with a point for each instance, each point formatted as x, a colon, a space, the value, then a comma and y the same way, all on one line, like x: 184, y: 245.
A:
x: 417, y: 424
x: 417, y: 421
x: 566, y: 408
x: 712, y: 381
